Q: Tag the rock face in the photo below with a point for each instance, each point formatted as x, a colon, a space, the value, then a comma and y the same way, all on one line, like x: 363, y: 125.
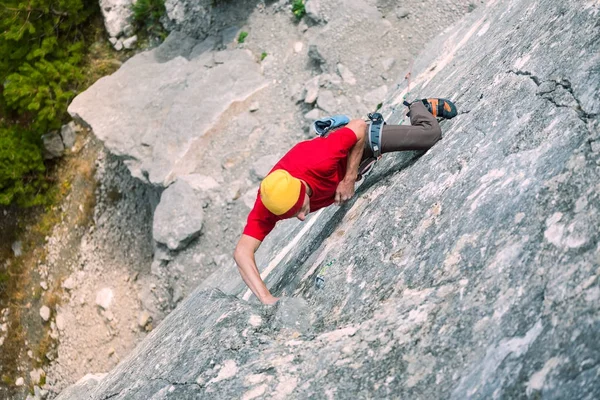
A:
x: 469, y: 272
x: 192, y: 17
x: 153, y: 126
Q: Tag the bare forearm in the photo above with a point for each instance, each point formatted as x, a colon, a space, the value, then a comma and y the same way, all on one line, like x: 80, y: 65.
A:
x: 354, y: 160
x: 249, y: 273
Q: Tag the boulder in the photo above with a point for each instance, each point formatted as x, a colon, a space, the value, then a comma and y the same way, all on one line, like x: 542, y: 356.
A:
x: 68, y: 133
x: 152, y: 122
x: 179, y: 216
x: 117, y: 16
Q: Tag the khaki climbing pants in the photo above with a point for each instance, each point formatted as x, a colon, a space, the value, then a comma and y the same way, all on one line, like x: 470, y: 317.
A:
x: 423, y: 132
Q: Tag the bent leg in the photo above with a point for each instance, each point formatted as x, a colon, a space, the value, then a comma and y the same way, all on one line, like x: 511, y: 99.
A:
x: 422, y: 134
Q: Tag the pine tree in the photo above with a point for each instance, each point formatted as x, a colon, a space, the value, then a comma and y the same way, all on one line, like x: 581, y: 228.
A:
x: 42, y: 48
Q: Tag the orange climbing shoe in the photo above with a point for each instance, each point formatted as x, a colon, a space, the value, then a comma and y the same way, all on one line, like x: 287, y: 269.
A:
x: 440, y: 108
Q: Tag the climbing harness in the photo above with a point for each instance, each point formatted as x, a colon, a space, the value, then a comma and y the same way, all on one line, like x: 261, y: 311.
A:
x: 375, y: 124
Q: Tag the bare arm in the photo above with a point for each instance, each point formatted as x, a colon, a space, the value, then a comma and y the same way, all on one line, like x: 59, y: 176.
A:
x: 244, y: 258
x: 345, y: 189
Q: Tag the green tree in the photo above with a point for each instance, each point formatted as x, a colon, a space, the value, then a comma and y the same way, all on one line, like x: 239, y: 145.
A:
x: 42, y: 52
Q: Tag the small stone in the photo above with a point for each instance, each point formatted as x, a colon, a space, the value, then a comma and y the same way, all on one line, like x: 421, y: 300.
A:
x: 53, y: 145
x: 69, y: 283
x: 130, y: 43
x: 45, y: 313
x: 113, y: 40
x: 143, y: 319
x: 104, y: 298
x: 402, y: 13
x: 388, y: 63
x: 17, y: 249
x: 346, y: 74
x: 261, y: 167
x: 303, y: 26
x: 313, y: 115
x: 298, y: 46
x: 119, y: 45
x: 327, y: 102
x: 254, y: 106
x: 20, y: 381
x: 60, y: 322
x: 68, y: 133
x: 111, y: 351
x: 312, y: 90
x: 44, y: 285
x: 37, y: 375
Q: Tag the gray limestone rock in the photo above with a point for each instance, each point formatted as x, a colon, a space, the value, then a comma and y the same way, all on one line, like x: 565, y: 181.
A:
x: 203, y: 47
x: 118, y: 45
x: 68, y: 133
x: 130, y: 42
x: 346, y: 74
x: 312, y: 90
x: 327, y: 102
x: 117, y: 16
x: 469, y: 271
x: 154, y: 121
x: 82, y: 388
x: 179, y: 216
x: 376, y: 96
x: 53, y: 145
x: 313, y: 114
x: 313, y: 11
x: 45, y: 313
x: 177, y: 44
x: 104, y: 298
x: 193, y: 17
x: 316, y: 57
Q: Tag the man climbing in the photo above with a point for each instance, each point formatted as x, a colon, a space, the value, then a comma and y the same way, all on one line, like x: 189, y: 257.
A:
x: 319, y: 172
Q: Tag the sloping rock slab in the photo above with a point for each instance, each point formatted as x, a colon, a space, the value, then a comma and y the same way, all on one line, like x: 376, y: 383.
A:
x: 150, y: 112
x: 469, y: 272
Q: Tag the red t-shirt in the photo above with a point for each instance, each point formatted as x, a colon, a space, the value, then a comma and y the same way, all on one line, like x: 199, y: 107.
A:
x: 320, y: 162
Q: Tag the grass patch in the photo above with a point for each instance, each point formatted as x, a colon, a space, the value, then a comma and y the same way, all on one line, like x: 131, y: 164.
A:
x: 263, y: 56
x: 242, y: 37
x: 298, y: 9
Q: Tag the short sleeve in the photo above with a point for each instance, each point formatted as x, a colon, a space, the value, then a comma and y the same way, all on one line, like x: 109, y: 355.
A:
x: 260, y: 221
x: 342, y: 140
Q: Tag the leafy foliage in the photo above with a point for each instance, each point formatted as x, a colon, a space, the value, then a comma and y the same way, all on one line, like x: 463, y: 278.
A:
x: 298, y: 8
x: 147, y: 15
x: 42, y: 52
x: 21, y: 168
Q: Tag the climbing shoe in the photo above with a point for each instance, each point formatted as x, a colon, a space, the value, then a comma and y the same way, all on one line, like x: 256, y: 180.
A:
x: 440, y: 108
